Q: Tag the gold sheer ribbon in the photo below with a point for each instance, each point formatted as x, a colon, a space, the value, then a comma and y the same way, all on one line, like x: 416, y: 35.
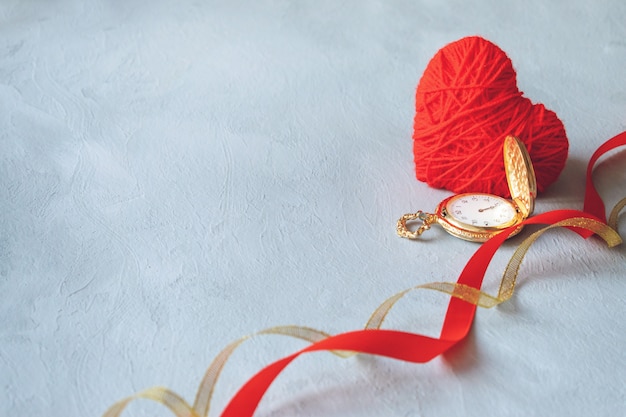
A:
x: 180, y: 408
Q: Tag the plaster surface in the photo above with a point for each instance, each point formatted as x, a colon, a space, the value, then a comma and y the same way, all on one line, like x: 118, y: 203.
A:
x: 176, y: 175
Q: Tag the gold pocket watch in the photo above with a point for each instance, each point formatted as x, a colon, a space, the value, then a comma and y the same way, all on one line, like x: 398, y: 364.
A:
x: 479, y: 216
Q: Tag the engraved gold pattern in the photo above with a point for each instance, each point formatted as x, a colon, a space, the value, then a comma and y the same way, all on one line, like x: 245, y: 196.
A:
x: 520, y: 175
x: 473, y: 236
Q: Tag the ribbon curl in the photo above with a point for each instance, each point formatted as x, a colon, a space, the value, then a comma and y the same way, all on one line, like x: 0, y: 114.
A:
x: 466, y: 296
x: 411, y: 347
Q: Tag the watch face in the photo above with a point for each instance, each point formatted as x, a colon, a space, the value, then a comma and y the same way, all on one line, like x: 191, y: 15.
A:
x: 481, y: 211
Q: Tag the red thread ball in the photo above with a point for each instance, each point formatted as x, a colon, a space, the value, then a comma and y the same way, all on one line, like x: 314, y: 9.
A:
x: 467, y: 102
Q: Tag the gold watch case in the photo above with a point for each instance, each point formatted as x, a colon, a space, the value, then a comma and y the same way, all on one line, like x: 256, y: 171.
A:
x: 522, y: 186
x: 462, y: 215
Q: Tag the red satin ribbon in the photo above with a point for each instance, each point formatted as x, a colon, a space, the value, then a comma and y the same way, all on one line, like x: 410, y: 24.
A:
x: 413, y: 347
x: 593, y: 202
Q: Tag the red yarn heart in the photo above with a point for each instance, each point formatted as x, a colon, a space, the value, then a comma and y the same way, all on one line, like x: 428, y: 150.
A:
x: 467, y: 102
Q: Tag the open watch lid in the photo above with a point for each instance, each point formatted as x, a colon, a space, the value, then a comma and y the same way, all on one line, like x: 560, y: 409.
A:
x: 520, y: 175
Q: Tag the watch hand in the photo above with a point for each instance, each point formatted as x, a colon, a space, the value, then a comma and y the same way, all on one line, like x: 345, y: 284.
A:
x: 485, y: 209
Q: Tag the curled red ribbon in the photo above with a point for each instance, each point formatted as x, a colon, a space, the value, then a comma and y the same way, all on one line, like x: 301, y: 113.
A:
x: 593, y: 202
x: 406, y: 346
x: 459, y: 316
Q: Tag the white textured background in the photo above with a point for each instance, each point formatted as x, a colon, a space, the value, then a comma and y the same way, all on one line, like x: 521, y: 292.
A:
x: 177, y: 174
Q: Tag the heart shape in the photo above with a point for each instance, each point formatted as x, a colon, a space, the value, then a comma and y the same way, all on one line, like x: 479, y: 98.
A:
x: 467, y: 102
